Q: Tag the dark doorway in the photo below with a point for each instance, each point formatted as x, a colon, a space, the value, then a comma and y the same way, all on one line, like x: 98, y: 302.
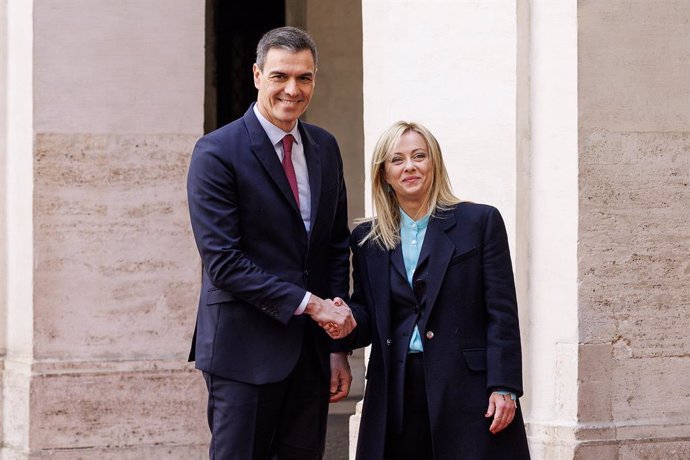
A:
x: 232, y: 31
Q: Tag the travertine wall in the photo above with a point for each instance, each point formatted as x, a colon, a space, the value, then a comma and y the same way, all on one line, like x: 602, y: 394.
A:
x: 3, y: 191
x: 634, y: 253
x: 3, y: 156
x: 97, y: 367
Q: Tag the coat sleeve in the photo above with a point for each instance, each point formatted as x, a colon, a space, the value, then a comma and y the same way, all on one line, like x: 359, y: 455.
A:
x: 504, y: 358
x: 362, y: 335
x: 214, y: 213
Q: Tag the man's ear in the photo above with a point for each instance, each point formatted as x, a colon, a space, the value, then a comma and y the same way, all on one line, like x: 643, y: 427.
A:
x: 257, y: 76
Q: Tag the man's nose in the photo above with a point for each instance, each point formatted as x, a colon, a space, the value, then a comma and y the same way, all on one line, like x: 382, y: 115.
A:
x: 291, y: 87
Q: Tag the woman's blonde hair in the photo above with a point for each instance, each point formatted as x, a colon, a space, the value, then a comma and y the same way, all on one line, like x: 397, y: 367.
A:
x: 385, y: 226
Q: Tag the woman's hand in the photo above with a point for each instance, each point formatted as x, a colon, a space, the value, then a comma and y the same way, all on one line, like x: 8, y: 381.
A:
x: 502, y: 408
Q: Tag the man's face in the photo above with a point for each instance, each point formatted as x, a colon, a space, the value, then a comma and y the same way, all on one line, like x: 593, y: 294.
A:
x: 285, y: 86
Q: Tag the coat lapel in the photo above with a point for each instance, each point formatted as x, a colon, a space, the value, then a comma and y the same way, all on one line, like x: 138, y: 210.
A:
x: 266, y: 154
x: 438, y: 250
x: 397, y: 261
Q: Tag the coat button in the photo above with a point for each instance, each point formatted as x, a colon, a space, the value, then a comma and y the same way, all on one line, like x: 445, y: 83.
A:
x: 388, y: 342
x: 429, y: 335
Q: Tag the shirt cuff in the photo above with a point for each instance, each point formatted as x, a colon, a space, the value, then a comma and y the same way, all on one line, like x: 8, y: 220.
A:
x: 303, y: 304
x: 513, y: 396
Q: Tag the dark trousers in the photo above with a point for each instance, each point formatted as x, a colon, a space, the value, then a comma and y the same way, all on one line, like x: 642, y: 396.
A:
x: 278, y: 421
x: 414, y: 442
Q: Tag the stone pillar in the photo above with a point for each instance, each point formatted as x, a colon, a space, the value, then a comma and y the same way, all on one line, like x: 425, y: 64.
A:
x: 550, y: 239
x: 104, y: 103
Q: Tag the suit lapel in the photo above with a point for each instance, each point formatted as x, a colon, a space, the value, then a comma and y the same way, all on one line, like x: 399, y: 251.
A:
x: 438, y: 249
x: 266, y: 154
x: 313, y: 158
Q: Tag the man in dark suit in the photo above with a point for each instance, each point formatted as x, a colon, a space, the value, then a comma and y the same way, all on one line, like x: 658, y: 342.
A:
x: 269, y: 214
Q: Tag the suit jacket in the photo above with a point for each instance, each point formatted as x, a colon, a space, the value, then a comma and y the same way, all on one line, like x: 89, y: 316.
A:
x: 469, y: 326
x: 258, y: 259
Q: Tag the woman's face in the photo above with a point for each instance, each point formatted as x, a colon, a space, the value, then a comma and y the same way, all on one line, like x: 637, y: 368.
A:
x: 408, y: 168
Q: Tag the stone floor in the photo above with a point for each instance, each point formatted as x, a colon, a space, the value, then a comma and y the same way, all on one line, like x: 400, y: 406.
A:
x: 337, y: 436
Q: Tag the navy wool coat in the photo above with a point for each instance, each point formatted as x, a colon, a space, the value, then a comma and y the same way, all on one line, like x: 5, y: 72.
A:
x: 469, y: 330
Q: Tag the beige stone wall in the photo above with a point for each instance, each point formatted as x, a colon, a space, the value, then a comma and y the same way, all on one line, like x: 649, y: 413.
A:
x: 3, y: 159
x: 117, y: 101
x: 634, y: 252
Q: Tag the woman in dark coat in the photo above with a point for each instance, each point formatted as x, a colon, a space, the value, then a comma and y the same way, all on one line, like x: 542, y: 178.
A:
x: 434, y: 295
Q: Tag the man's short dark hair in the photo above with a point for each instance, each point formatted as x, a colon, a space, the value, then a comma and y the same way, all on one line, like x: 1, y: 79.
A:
x: 288, y: 38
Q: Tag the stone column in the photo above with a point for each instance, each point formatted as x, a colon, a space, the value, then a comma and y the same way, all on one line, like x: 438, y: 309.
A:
x: 550, y: 240
x: 105, y: 101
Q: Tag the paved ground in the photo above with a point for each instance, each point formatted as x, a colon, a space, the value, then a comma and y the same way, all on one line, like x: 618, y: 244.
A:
x: 338, y: 436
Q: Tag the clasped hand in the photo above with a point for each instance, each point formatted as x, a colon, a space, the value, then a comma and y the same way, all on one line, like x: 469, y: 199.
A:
x: 334, y: 316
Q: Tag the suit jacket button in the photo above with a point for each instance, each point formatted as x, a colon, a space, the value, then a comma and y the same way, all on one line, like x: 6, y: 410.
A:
x: 388, y: 342
x: 429, y: 335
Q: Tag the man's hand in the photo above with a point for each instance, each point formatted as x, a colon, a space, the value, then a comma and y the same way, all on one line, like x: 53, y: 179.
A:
x: 335, y: 319
x: 341, y: 377
x: 503, y: 410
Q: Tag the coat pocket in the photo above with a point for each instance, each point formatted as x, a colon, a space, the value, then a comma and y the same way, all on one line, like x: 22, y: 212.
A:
x: 475, y: 358
x: 214, y: 296
x: 464, y: 255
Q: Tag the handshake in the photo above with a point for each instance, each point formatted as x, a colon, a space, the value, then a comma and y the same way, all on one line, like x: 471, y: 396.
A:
x: 334, y: 316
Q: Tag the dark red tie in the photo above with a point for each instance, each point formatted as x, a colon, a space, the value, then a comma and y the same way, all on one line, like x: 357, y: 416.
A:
x: 289, y: 167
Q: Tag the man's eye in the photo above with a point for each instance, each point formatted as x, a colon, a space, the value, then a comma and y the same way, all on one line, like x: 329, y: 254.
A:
x: 305, y: 78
